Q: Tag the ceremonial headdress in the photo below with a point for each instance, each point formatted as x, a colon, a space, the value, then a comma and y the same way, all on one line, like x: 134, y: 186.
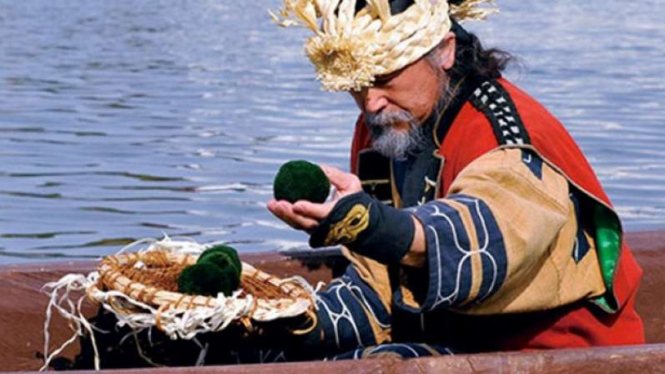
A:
x: 355, y: 41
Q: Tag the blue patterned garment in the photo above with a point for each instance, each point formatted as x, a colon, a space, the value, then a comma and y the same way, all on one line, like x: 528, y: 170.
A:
x: 347, y: 310
x: 450, y: 252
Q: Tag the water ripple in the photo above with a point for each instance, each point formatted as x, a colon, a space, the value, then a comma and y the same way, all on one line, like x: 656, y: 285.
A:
x: 131, y: 119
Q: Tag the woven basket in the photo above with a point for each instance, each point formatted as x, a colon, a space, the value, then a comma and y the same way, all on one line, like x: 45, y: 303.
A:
x: 151, y: 278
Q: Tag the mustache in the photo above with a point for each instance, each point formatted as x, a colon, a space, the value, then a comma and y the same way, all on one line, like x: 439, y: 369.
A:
x: 390, y: 142
x: 388, y: 119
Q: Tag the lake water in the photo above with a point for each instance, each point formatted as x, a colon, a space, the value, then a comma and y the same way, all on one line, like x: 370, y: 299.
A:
x: 127, y: 119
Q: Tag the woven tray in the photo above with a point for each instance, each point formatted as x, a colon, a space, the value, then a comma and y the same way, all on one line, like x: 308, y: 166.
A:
x: 141, y: 290
x: 150, y: 277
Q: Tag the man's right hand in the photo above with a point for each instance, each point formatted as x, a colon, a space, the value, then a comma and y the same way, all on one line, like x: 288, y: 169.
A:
x: 305, y: 215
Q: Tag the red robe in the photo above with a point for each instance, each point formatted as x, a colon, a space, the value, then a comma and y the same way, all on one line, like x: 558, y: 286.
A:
x: 579, y: 325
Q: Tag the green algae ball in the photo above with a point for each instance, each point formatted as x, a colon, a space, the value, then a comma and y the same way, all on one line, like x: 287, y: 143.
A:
x: 205, y: 279
x: 225, y: 263
x: 301, y: 180
x: 226, y: 252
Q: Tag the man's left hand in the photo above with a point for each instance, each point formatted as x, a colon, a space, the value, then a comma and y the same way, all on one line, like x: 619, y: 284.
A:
x: 305, y: 215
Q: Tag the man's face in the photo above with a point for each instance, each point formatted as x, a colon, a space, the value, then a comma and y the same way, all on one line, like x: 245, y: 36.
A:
x: 399, y: 103
x: 414, y: 89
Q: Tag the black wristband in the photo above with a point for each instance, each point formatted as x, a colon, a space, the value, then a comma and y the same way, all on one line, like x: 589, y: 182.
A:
x: 367, y: 227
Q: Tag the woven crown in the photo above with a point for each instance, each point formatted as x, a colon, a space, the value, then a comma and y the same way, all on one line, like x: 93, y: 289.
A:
x: 351, y: 47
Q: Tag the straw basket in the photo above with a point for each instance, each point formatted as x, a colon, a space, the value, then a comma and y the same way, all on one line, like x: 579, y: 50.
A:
x: 151, y: 278
x: 141, y: 290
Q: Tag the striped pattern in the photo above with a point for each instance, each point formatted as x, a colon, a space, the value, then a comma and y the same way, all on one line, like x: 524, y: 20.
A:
x: 349, y: 311
x: 466, y: 253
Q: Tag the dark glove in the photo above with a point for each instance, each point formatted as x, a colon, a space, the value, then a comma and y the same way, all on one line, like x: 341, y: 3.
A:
x: 367, y: 227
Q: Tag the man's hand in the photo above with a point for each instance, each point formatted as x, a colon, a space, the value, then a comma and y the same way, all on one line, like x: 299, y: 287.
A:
x: 306, y: 216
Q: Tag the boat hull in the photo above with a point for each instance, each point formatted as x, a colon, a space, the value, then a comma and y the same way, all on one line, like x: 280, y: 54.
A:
x: 23, y: 304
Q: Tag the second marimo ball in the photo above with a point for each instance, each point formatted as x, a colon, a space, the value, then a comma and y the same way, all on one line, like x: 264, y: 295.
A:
x: 218, y: 269
x: 204, y: 279
x: 222, y: 256
x: 301, y: 180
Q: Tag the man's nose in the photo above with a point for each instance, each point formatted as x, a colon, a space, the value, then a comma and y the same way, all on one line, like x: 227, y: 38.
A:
x: 374, y: 100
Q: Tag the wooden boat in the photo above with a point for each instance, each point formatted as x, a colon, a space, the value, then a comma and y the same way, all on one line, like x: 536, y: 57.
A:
x: 22, y: 308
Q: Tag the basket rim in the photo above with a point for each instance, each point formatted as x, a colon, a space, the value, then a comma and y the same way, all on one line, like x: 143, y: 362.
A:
x: 112, y: 279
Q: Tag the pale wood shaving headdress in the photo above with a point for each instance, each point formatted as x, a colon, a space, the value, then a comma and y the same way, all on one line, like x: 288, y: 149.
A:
x: 350, y: 49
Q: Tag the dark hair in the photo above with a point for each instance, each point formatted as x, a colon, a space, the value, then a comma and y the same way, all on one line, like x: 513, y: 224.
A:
x: 472, y: 60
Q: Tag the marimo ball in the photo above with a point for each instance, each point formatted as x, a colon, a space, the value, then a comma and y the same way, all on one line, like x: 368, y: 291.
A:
x: 206, y: 279
x: 231, y: 253
x: 225, y: 263
x: 301, y: 180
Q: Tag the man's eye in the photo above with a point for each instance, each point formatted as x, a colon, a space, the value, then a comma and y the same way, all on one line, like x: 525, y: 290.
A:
x: 381, y: 82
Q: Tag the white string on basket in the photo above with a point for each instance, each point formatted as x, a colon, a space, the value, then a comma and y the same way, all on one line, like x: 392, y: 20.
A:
x: 176, y: 322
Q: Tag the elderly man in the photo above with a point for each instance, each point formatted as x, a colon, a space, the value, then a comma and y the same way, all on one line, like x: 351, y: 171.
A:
x: 472, y: 220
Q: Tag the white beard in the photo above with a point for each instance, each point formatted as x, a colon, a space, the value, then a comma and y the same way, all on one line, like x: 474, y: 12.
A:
x: 391, y: 142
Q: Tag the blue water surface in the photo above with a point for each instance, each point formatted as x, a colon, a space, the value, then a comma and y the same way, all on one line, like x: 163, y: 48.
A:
x: 134, y: 118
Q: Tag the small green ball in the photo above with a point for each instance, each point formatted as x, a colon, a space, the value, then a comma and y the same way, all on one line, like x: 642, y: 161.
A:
x: 228, y: 251
x: 205, y: 279
x: 225, y: 263
x: 301, y: 180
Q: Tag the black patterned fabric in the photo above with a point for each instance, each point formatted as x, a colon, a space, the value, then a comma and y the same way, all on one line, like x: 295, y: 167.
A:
x: 367, y: 227
x: 495, y: 102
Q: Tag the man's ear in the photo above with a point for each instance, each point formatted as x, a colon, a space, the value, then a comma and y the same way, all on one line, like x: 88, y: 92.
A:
x: 446, y: 51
